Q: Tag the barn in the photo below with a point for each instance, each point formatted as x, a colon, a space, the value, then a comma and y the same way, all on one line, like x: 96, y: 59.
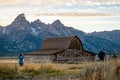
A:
x: 60, y: 49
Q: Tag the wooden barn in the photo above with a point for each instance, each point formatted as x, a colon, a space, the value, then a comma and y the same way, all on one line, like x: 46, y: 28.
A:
x: 60, y: 49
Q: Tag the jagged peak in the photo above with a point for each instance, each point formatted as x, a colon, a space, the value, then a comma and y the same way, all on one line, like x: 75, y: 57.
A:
x: 57, y: 22
x: 38, y: 20
x: 20, y: 17
x: 20, y: 21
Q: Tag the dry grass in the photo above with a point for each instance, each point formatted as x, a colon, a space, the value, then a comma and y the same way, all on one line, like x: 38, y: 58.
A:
x: 8, y: 61
x: 108, y: 70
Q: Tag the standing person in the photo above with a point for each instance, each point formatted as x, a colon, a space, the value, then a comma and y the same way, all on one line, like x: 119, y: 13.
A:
x: 21, y: 58
x: 101, y: 55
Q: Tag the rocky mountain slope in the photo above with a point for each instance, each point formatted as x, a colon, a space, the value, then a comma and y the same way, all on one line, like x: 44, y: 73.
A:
x: 23, y: 36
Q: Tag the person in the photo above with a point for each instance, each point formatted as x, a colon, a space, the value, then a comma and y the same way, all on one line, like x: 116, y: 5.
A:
x: 101, y: 55
x: 21, y: 59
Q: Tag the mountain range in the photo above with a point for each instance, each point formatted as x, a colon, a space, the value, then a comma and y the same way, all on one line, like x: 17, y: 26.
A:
x: 22, y: 36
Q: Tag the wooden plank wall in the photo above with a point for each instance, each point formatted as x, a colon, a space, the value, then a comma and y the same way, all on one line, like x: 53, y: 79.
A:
x: 37, y: 59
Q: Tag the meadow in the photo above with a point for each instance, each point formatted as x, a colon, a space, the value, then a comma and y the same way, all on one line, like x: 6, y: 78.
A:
x: 107, y: 70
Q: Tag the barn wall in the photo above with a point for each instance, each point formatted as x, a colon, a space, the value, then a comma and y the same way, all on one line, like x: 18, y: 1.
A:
x: 38, y: 58
x: 88, y: 54
x: 74, y: 56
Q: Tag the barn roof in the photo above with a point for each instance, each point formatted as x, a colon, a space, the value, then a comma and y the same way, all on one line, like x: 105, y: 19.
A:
x: 44, y: 52
x: 57, y: 43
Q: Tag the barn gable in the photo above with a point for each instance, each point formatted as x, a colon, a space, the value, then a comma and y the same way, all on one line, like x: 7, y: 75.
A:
x: 75, y: 43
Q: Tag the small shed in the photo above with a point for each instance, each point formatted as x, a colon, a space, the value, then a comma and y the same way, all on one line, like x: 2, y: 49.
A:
x: 60, y: 49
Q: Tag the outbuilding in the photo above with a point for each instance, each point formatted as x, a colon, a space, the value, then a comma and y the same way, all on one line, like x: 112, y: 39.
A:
x: 60, y: 49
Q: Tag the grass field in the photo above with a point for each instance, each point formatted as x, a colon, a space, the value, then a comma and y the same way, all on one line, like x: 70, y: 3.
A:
x: 107, y: 70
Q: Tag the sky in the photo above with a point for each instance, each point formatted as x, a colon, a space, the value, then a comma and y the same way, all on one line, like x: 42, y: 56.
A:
x: 85, y: 15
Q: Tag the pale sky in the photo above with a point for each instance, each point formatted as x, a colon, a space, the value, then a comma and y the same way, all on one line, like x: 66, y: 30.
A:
x: 85, y: 15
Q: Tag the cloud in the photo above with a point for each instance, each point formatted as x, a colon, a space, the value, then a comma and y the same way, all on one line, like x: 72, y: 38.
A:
x: 71, y: 14
x: 62, y: 7
x: 11, y: 2
x: 58, y: 2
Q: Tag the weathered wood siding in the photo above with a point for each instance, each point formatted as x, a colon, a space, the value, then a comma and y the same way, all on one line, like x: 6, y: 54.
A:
x: 74, y: 56
x: 39, y: 58
x: 76, y: 59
